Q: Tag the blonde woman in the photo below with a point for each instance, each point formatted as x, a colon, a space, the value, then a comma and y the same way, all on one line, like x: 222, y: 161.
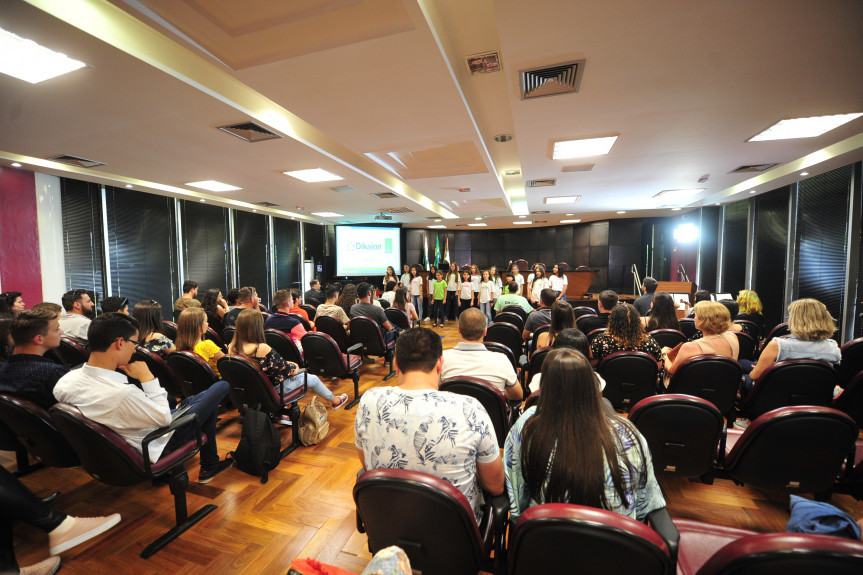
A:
x: 750, y: 308
x: 191, y: 327
x: 714, y: 320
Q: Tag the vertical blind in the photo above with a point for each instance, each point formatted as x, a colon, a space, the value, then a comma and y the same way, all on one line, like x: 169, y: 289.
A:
x: 205, y: 249
x: 734, y: 247
x: 771, y: 239
x: 286, y: 236
x: 83, y: 244
x: 252, y: 237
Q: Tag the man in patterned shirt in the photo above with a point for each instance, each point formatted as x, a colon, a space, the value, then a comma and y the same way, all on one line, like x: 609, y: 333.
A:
x: 414, y: 426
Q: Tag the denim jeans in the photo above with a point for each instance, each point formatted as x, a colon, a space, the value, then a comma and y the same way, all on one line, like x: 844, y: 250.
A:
x: 417, y: 300
x: 486, y: 309
x: 206, y: 406
x: 438, y: 314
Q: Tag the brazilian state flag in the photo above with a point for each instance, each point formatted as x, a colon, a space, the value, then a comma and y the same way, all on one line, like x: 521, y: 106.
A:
x: 437, y: 251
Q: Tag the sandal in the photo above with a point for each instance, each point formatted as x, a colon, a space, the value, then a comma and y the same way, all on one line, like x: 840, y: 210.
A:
x: 343, y: 400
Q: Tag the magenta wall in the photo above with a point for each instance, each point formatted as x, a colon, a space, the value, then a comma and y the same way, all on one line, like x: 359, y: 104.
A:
x: 19, y: 235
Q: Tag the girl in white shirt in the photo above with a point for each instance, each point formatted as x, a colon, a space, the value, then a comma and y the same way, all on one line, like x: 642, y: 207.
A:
x: 417, y: 290
x: 430, y: 279
x: 406, y: 276
x: 539, y: 283
x: 486, y: 290
x: 466, y: 293
x: 475, y: 278
x: 452, y: 282
x: 498, y: 284
x: 519, y: 279
x: 558, y: 282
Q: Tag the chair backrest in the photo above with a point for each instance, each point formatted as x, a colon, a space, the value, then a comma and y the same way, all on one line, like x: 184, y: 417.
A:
x: 747, y: 345
x: 323, y: 356
x: 169, y: 330
x: 332, y: 327
x: 595, y: 332
x: 302, y: 320
x: 384, y: 303
x: 160, y: 369
x: 531, y: 343
x: 687, y: 326
x: 778, y: 331
x: 228, y: 334
x: 786, y: 554
x: 715, y: 378
x: 799, y: 449
x: 630, y: 376
x: 850, y: 401
x: 284, y: 345
x: 565, y: 538
x: 216, y: 338
x: 500, y: 348
x: 682, y: 432
x: 791, y: 382
x: 537, y: 358
x: 176, y: 314
x: 582, y: 269
x: 581, y: 310
x: 398, y: 318
x: 309, y: 309
x: 668, y: 337
x: 72, y: 351
x: 532, y: 399
x: 510, y: 318
x: 32, y: 426
x: 749, y: 327
x: 314, y: 302
x: 491, y: 398
x: 521, y: 264
x: 249, y: 385
x: 563, y: 266
x: 852, y: 361
x: 434, y: 525
x: 193, y: 374
x: 516, y: 309
x: 506, y: 334
x: 368, y: 332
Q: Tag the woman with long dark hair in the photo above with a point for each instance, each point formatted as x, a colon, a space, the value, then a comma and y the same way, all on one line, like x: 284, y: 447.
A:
x: 570, y: 448
x: 562, y: 317
x: 663, y: 314
x: 401, y: 303
x: 348, y: 298
x: 215, y: 307
x: 558, y: 282
x: 149, y: 316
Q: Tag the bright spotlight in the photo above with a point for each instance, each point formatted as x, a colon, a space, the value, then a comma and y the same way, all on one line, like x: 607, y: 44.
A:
x: 686, y: 233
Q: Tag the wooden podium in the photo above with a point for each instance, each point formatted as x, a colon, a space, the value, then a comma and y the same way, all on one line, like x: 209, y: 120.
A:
x: 579, y: 283
x: 677, y: 287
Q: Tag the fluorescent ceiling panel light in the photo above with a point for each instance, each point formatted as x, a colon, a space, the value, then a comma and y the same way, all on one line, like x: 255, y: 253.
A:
x: 26, y: 60
x: 570, y: 221
x: 562, y: 200
x: 478, y: 218
x: 675, y: 209
x: 438, y: 227
x: 801, y: 173
x: 213, y: 186
x: 17, y: 165
x: 313, y: 175
x: 622, y: 212
x: 328, y: 215
x: 585, y: 148
x: 803, y: 127
x: 522, y: 223
x: 480, y: 225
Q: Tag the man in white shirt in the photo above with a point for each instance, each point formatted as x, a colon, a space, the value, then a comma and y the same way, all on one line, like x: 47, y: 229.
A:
x: 108, y: 397
x: 75, y: 322
x: 471, y: 358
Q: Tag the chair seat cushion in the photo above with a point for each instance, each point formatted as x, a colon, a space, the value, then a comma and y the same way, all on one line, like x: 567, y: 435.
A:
x: 291, y: 396
x: 731, y: 439
x: 699, y: 541
x: 169, y: 460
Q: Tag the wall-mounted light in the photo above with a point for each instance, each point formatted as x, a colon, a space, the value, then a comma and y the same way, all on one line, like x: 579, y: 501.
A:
x: 686, y: 233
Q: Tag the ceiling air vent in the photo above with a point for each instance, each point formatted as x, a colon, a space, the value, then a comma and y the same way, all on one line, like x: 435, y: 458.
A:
x: 551, y: 80
x: 541, y: 183
x: 250, y: 132
x: 76, y: 161
x: 752, y: 168
x: 401, y: 210
x: 539, y: 212
x: 577, y: 168
x: 343, y: 189
x: 267, y: 204
x: 483, y: 63
x: 385, y: 195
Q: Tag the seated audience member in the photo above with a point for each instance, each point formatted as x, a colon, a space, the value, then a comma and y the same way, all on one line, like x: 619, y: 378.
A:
x: 469, y: 357
x: 663, y: 314
x: 191, y: 327
x: 215, y: 306
x: 811, y: 327
x: 149, y: 316
x: 247, y: 298
x: 14, y: 301
x: 572, y: 449
x: 417, y: 427
x: 348, y: 298
x: 541, y: 315
x: 572, y: 338
x: 648, y: 286
x: 314, y: 292
x: 390, y: 292
x: 231, y: 298
x: 296, y: 309
x: 249, y: 342
x: 749, y: 305
x: 19, y: 504
x: 625, y: 333
x: 512, y: 298
x: 4, y: 308
x: 331, y: 308
x: 562, y: 318
x: 714, y: 321
x: 27, y: 373
x: 700, y: 295
x: 115, y: 303
x: 107, y: 397
x: 282, y: 320
x: 75, y: 322
x: 401, y: 303
x: 190, y: 292
x: 365, y: 308
x: 605, y: 304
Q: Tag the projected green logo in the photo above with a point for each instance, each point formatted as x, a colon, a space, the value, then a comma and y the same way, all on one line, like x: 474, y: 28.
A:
x: 388, y: 246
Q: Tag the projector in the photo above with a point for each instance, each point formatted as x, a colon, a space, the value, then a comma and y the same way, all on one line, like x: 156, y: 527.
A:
x: 385, y: 217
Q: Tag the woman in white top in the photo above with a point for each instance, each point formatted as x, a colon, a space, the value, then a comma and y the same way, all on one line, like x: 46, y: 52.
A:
x: 406, y: 276
x: 558, y: 282
x: 430, y: 279
x: 486, y: 290
x: 519, y: 279
x: 417, y: 290
x: 498, y: 283
x: 390, y: 277
x: 475, y: 278
x: 466, y: 293
x: 452, y: 282
x: 539, y: 283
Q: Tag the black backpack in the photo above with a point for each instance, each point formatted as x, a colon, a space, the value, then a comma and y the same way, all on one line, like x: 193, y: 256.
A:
x: 260, y: 446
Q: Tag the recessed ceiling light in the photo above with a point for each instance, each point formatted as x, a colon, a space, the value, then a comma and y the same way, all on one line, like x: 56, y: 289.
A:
x: 570, y: 214
x: 481, y: 225
x: 503, y: 138
x: 203, y: 200
x: 717, y: 204
x: 522, y: 216
x: 478, y: 218
x: 622, y: 212
x: 751, y: 191
x: 129, y: 186
x: 522, y: 223
x: 438, y: 227
x: 255, y: 211
x: 16, y: 165
x: 26, y: 60
x: 570, y: 221
x: 562, y: 200
x: 675, y: 209
x: 327, y: 215
x: 803, y: 127
x: 438, y: 220
x: 313, y: 175
x: 801, y: 173
x: 213, y: 186
x: 587, y: 147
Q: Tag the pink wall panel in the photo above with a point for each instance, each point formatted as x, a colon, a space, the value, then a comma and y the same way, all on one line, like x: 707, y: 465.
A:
x: 19, y: 235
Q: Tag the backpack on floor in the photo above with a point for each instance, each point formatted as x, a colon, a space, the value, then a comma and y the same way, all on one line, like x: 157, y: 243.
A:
x: 314, y: 425
x: 260, y: 446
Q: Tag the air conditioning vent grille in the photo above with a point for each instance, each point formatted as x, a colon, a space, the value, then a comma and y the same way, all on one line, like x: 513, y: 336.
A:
x: 551, y: 80
x: 541, y: 183
x: 400, y: 210
x: 577, y: 168
x: 250, y: 131
x: 385, y: 195
x: 267, y: 204
x: 752, y: 168
x: 76, y: 161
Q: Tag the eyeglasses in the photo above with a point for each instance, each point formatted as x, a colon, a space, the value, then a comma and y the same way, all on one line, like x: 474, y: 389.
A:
x: 134, y: 341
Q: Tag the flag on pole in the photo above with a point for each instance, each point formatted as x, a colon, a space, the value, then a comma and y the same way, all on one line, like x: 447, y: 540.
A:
x: 425, y: 250
x: 446, y: 252
x: 437, y: 251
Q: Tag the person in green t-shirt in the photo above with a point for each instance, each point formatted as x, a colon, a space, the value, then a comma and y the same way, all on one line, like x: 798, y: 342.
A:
x: 438, y: 316
x: 512, y: 298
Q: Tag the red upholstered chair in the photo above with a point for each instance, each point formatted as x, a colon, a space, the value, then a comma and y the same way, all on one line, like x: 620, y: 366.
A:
x: 32, y: 426
x: 779, y: 330
x: 169, y: 330
x: 324, y: 358
x: 8, y: 442
x: 510, y: 318
x: 534, y: 366
x: 565, y: 538
x: 852, y: 361
x: 750, y: 328
x: 284, y: 345
x: 534, y: 336
x: 228, y: 334
x: 491, y: 398
x: 332, y: 327
x: 715, y: 378
x: 790, y: 382
x: 302, y: 320
x: 563, y: 266
x: 747, y: 345
x: 518, y: 363
x: 687, y: 326
x: 682, y: 432
x: 522, y: 264
x: 216, y: 338
x: 193, y: 374
x: 581, y: 310
x: 369, y: 334
x: 72, y: 351
x: 668, y: 337
x: 516, y: 309
x: 398, y: 318
x: 797, y: 449
x: 532, y: 399
x: 595, y: 332
x: 629, y: 376
x: 107, y: 457
x: 435, y: 524
x: 582, y: 269
x: 310, y: 309
x: 161, y: 370
x: 506, y: 334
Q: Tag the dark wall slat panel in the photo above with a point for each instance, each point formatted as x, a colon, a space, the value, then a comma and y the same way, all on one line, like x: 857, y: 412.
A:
x: 734, y: 246
x: 706, y: 277
x: 251, y: 234
x: 771, y: 239
x: 83, y: 245
x: 286, y: 234
x: 205, y: 229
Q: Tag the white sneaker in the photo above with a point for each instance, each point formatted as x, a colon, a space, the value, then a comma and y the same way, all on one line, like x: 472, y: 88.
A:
x: 47, y: 567
x: 741, y: 424
x: 81, y: 530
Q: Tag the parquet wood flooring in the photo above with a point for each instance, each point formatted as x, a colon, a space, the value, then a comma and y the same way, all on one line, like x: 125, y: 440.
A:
x: 304, y: 510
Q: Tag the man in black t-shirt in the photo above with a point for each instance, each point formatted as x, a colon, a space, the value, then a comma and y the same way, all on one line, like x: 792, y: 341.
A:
x: 365, y: 307
x: 607, y: 301
x: 643, y: 303
x: 247, y: 298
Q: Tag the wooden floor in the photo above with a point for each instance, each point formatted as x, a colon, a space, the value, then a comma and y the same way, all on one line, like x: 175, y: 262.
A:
x: 305, y: 510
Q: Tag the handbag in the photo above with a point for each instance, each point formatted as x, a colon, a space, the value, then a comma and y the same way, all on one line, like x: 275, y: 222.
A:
x: 313, y: 423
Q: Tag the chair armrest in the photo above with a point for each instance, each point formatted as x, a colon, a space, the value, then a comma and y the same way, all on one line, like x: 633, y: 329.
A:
x: 523, y: 362
x: 356, y: 349
x: 305, y: 384
x: 190, y: 418
x: 499, y: 507
x: 661, y: 522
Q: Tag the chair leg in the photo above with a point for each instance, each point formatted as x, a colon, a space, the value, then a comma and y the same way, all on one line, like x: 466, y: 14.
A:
x: 356, y: 377
x: 23, y: 465
x: 294, y: 415
x: 179, y: 482
x: 389, y: 358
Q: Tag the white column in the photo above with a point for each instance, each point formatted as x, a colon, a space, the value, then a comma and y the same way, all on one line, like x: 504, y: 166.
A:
x: 49, y: 214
